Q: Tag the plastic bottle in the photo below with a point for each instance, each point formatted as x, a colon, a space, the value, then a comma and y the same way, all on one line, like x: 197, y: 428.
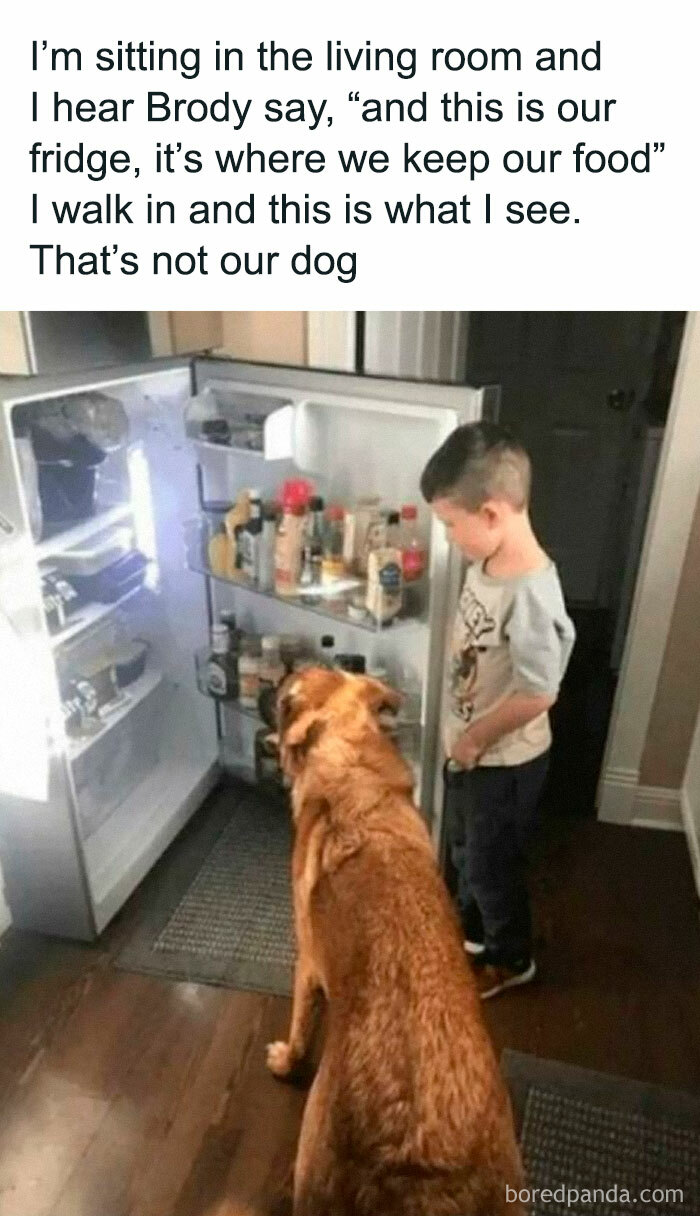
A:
x: 290, y: 536
x: 327, y: 650
x: 332, y: 563
x: 413, y: 555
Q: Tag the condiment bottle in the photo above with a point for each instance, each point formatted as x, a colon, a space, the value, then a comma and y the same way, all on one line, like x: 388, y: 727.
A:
x: 250, y: 539
x: 290, y: 536
x: 384, y: 584
x: 222, y: 675
x: 413, y: 555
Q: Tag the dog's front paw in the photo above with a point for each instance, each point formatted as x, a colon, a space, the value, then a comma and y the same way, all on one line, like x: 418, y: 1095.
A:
x: 280, y: 1059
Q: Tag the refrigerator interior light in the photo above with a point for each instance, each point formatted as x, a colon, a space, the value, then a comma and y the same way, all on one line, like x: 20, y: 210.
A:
x: 142, y: 506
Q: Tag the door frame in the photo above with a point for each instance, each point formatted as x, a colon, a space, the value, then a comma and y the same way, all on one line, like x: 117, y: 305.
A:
x: 621, y: 797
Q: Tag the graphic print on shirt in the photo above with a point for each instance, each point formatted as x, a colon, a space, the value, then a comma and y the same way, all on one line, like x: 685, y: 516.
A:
x: 474, y: 622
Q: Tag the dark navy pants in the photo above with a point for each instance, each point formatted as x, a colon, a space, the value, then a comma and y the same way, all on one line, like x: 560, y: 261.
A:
x: 491, y: 815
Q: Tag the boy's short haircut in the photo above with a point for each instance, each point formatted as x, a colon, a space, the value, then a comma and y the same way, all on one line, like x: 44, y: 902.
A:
x: 476, y: 462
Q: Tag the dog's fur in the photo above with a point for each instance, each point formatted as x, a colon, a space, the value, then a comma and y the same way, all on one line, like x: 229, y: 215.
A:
x: 407, y: 1113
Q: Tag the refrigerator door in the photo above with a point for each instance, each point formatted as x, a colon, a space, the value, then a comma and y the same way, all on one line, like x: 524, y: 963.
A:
x: 110, y: 748
x: 351, y: 436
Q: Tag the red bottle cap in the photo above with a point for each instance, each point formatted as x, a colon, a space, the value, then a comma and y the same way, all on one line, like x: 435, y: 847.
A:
x: 295, y: 494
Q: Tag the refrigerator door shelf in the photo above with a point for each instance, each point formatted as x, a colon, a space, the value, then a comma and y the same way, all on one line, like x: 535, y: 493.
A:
x: 327, y: 607
x: 273, y: 439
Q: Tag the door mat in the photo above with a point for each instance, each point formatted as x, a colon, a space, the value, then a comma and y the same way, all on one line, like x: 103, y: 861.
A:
x: 219, y: 911
x: 603, y: 1145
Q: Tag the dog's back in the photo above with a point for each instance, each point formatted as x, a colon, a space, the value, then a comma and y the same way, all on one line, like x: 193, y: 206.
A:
x: 418, y: 1113
x: 408, y: 1113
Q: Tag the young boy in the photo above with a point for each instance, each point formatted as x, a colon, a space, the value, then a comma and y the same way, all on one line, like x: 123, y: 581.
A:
x: 511, y: 645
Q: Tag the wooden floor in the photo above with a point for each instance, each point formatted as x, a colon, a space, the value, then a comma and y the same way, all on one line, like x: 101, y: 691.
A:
x: 124, y: 1094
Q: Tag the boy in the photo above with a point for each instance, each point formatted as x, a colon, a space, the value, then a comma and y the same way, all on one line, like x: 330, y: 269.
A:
x: 511, y: 645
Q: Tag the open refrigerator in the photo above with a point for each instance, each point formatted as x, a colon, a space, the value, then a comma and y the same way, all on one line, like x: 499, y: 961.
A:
x: 108, y: 595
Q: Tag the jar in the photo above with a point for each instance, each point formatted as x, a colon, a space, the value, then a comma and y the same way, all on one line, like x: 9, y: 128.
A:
x: 272, y: 669
x: 249, y: 674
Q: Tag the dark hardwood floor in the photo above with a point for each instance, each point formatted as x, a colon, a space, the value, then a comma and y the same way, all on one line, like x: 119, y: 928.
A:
x: 125, y: 1095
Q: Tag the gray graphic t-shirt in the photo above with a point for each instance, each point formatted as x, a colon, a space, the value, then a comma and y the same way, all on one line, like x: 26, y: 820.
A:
x: 510, y: 635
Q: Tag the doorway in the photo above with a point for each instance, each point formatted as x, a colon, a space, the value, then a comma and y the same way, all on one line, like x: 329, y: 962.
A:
x: 588, y: 395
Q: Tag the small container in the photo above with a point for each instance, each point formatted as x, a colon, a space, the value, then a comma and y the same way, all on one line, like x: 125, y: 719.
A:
x: 249, y: 673
x: 272, y: 669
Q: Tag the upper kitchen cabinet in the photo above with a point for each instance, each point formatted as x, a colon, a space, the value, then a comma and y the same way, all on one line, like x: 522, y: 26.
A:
x: 41, y: 342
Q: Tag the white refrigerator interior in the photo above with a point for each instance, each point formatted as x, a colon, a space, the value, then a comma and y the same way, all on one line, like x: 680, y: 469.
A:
x: 107, y: 594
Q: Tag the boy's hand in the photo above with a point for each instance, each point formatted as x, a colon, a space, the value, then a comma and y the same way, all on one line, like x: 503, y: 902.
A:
x: 467, y: 750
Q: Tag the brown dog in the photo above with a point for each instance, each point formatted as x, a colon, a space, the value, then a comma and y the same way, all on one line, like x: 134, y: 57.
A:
x: 407, y: 1113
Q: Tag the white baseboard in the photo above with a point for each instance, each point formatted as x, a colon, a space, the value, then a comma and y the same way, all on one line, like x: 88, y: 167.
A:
x: 621, y: 799
x: 691, y: 824
x: 657, y: 807
x: 616, y: 792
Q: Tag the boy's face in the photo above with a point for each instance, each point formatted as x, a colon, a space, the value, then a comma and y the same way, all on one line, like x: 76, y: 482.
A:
x: 477, y: 533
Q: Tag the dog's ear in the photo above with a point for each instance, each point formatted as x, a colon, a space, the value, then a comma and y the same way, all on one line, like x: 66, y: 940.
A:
x: 299, y: 737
